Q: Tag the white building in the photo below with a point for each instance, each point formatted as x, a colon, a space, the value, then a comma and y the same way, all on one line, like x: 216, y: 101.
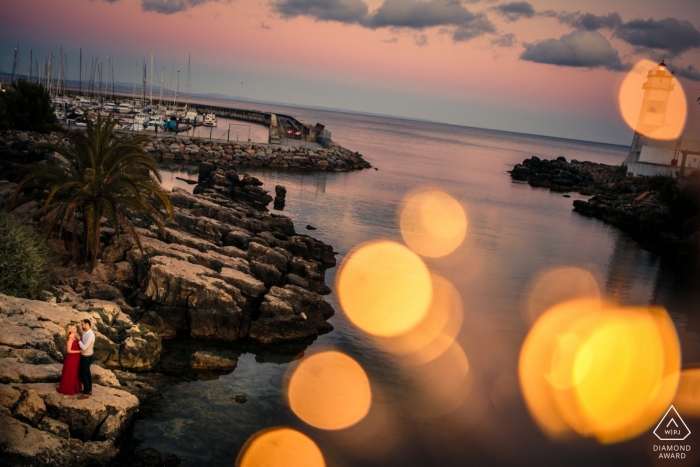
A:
x: 649, y: 156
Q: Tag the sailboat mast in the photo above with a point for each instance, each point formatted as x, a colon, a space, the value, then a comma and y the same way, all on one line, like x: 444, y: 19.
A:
x: 170, y: 87
x: 189, y: 58
x: 136, y: 69
x: 160, y: 98
x: 143, y: 83
x: 151, y: 77
x: 177, y: 88
x: 15, y: 65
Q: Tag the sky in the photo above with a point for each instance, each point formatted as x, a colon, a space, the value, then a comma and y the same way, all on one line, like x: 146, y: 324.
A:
x: 544, y: 67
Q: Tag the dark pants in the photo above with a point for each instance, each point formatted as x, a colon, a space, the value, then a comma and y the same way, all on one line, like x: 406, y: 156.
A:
x: 85, y: 376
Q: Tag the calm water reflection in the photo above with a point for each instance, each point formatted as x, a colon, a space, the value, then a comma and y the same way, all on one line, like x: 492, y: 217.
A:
x: 514, y: 232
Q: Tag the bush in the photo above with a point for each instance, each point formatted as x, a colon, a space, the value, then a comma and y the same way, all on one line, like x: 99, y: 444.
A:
x: 26, y: 262
x: 667, y: 187
x: 27, y: 106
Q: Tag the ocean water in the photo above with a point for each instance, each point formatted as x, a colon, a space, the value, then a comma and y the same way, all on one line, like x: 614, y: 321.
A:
x: 514, y: 233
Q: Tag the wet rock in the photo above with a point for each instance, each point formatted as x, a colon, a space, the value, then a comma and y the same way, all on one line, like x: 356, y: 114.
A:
x: 202, y: 360
x: 140, y: 352
x: 281, y: 317
x: 215, y: 323
x: 150, y: 457
x: 113, y: 427
x: 280, y: 195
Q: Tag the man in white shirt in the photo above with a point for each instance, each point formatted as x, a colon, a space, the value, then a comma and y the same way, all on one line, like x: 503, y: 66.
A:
x: 86, y: 343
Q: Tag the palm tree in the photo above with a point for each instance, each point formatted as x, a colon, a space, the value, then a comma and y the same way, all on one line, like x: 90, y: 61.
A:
x: 97, y: 177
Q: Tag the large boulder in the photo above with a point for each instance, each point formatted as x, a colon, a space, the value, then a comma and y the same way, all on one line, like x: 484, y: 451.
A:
x: 9, y: 396
x: 31, y: 409
x: 60, y: 429
x: 21, y: 445
x: 140, y: 352
x: 290, y: 313
x: 85, y: 417
x: 34, y: 336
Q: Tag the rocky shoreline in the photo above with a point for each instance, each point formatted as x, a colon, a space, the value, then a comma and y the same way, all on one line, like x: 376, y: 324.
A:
x: 227, y: 270
x: 185, y: 149
x: 660, y: 213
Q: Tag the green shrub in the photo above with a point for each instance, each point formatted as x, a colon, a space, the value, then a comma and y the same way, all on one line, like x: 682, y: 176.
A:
x: 26, y: 261
x: 27, y: 106
x: 667, y: 187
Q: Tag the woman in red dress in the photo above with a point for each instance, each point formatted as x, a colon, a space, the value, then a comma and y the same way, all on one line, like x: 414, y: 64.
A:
x: 70, y: 381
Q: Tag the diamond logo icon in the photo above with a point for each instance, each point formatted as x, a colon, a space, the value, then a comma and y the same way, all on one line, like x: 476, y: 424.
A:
x: 672, y: 427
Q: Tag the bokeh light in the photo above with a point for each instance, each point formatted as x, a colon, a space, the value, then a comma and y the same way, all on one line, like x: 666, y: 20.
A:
x: 654, y: 125
x: 687, y: 401
x: 557, y: 285
x: 432, y: 223
x: 384, y: 288
x: 599, y: 370
x: 436, y: 332
x: 329, y: 390
x: 280, y: 447
x: 442, y: 384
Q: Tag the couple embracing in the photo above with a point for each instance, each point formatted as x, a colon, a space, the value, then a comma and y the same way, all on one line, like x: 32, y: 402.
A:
x: 75, y: 376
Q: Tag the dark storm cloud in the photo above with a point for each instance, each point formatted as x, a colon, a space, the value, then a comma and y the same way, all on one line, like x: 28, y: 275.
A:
x: 168, y: 7
x: 581, y: 48
x: 344, y: 11
x: 671, y: 35
x: 586, y: 21
x: 689, y: 72
x: 515, y: 10
x: 505, y: 40
x: 407, y: 14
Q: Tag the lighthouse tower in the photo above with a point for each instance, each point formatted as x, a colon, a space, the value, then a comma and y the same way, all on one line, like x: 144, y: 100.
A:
x: 657, y: 88
x: 649, y: 155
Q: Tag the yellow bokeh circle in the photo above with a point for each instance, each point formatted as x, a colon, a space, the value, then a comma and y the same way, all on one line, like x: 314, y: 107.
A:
x: 432, y: 223
x: 671, y: 109
x: 384, y: 288
x: 280, y: 447
x: 599, y: 369
x: 329, y: 390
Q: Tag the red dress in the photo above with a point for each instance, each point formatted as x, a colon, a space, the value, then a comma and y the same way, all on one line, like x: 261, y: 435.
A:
x: 70, y: 382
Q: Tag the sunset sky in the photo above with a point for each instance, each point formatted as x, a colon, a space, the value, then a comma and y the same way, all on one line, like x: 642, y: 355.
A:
x: 544, y: 66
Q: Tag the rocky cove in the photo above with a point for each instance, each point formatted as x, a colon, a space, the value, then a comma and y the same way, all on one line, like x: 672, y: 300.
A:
x: 227, y: 271
x: 660, y: 212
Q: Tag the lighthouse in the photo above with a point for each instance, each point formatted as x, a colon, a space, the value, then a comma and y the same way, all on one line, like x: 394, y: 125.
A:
x: 657, y: 89
x: 652, y: 151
